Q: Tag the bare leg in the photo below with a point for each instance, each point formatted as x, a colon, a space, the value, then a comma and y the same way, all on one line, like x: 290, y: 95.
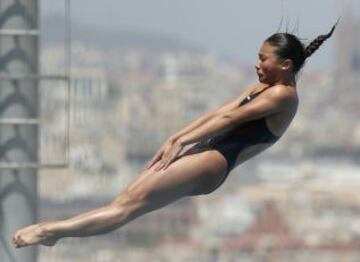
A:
x: 189, y: 175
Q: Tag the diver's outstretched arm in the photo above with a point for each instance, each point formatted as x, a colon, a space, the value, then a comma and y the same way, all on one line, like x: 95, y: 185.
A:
x: 209, y: 115
x: 203, y: 120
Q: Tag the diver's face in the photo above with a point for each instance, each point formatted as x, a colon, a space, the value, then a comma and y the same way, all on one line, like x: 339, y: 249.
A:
x: 268, y: 67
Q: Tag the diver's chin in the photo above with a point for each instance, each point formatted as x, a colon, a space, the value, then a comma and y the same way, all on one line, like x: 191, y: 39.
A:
x: 262, y: 79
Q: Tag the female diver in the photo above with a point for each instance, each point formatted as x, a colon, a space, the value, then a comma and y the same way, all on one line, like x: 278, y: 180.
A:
x: 224, y: 138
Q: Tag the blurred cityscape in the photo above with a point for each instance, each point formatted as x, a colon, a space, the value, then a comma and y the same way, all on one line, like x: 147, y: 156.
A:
x: 298, y: 201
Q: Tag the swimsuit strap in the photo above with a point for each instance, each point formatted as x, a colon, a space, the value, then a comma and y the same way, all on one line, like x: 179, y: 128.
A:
x: 251, y: 96
x: 258, y: 93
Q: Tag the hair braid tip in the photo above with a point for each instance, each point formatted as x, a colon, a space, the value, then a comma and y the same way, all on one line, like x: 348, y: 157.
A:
x: 318, y: 41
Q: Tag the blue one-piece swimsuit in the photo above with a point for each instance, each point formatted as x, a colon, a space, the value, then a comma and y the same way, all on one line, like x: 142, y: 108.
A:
x: 232, y: 142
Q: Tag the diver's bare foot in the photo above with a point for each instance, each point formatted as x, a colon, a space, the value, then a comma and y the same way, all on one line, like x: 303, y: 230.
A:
x: 34, y: 234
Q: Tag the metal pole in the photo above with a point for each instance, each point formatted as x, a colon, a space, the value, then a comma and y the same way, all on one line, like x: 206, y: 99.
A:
x: 18, y: 141
x: 68, y: 51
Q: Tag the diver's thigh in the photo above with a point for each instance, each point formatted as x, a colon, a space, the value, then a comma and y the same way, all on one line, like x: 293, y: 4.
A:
x: 189, y: 175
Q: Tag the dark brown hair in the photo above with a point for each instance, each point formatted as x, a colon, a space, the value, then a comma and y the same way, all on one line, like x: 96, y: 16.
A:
x: 288, y: 46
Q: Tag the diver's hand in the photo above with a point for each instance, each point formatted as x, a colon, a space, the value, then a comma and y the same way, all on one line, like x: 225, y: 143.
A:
x: 159, y: 154
x: 170, y: 155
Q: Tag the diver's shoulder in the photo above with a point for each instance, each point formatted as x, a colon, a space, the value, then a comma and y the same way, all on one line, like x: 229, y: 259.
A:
x: 285, y: 91
x: 284, y: 94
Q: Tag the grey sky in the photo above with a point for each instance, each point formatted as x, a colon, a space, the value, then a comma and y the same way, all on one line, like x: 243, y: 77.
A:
x: 229, y: 27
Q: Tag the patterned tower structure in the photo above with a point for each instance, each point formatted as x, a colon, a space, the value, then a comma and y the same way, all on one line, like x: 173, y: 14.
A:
x: 19, y: 123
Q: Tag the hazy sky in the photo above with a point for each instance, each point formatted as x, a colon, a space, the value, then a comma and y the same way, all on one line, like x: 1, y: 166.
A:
x: 228, y: 27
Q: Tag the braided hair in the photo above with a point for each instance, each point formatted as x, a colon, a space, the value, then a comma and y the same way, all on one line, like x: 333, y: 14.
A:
x: 288, y: 46
x: 317, y: 42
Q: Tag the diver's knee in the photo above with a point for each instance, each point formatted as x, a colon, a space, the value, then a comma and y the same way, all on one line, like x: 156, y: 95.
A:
x: 132, y: 196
